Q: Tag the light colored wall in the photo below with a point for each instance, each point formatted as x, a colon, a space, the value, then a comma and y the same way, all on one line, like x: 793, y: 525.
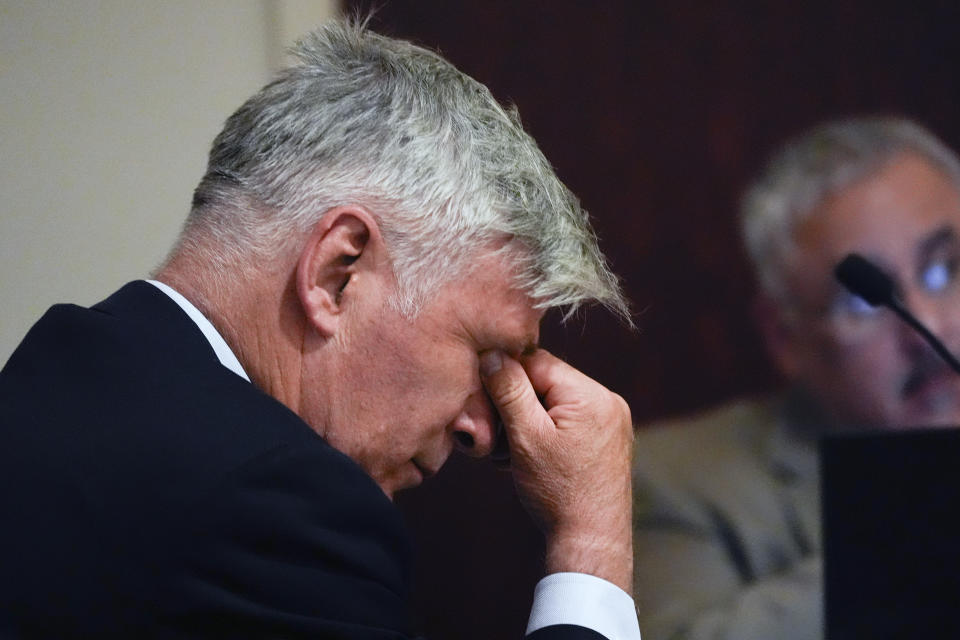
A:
x: 107, y: 109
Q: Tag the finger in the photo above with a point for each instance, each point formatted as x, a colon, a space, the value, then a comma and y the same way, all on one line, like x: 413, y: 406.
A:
x: 510, y: 391
x: 550, y: 376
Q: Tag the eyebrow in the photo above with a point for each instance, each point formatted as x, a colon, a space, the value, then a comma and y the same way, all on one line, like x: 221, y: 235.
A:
x: 937, y: 239
x: 530, y: 347
x: 521, y: 347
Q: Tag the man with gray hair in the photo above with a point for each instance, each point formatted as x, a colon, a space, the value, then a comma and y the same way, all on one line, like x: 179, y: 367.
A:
x: 726, y: 512
x: 356, y: 292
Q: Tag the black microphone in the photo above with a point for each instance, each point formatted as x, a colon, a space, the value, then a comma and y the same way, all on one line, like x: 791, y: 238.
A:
x: 865, y: 279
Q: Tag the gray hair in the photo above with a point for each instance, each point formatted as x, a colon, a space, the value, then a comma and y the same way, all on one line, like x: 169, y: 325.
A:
x: 815, y: 165
x: 443, y: 167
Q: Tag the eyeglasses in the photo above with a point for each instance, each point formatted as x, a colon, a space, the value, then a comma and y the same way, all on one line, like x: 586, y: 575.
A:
x: 850, y: 318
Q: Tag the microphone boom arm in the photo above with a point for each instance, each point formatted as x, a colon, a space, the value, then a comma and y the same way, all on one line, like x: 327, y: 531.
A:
x: 863, y: 278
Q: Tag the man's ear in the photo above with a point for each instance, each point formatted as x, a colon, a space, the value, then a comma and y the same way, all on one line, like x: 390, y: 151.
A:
x: 779, y: 335
x: 344, y: 242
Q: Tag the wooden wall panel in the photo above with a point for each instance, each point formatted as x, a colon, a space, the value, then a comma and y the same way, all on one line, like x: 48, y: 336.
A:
x: 656, y: 115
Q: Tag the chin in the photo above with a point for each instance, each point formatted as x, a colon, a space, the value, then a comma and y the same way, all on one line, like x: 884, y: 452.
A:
x: 936, y: 421
x: 942, y: 413
x: 389, y: 486
x: 407, y: 479
x: 934, y: 403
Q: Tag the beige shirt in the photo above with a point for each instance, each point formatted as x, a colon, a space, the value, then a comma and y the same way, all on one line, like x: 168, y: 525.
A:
x: 727, y: 525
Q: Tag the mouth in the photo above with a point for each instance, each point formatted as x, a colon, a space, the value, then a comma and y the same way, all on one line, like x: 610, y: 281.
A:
x: 931, y: 387
x: 925, y: 375
x: 425, y: 471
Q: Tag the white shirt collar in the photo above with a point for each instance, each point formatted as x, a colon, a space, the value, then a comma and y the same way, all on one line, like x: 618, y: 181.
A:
x: 224, y: 353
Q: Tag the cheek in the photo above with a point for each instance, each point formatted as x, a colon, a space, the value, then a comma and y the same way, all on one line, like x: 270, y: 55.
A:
x: 427, y: 396
x: 449, y: 379
x: 858, y: 359
x: 864, y: 380
x: 878, y: 360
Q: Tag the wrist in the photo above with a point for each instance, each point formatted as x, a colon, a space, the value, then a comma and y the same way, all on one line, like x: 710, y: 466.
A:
x: 607, y: 554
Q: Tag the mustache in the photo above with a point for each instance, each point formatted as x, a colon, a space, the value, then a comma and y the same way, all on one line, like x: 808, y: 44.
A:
x: 926, y: 366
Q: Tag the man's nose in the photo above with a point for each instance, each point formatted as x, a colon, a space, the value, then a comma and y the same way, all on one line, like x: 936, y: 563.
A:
x: 475, y: 429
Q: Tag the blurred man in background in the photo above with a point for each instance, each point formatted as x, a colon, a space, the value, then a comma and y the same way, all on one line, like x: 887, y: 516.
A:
x: 726, y: 511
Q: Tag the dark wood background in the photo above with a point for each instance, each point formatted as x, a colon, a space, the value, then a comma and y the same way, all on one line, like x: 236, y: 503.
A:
x: 656, y: 115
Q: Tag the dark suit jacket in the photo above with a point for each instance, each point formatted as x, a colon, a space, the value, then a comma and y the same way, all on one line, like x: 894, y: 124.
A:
x: 148, y: 492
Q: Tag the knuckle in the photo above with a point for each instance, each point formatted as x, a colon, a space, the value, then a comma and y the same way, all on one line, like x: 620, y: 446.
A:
x: 622, y: 407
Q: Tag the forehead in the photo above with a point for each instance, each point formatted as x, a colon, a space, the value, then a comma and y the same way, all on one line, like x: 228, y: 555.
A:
x: 487, y: 309
x: 887, y: 216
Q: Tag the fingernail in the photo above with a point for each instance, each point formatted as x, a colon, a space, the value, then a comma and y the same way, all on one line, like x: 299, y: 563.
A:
x: 490, y: 362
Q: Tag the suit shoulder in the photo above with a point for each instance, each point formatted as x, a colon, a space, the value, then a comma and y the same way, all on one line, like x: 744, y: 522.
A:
x: 740, y: 425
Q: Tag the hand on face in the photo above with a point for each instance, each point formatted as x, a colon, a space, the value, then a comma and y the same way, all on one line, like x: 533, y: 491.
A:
x: 570, y: 458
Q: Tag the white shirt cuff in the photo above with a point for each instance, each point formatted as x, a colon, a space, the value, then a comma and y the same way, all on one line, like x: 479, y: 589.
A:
x: 586, y: 601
